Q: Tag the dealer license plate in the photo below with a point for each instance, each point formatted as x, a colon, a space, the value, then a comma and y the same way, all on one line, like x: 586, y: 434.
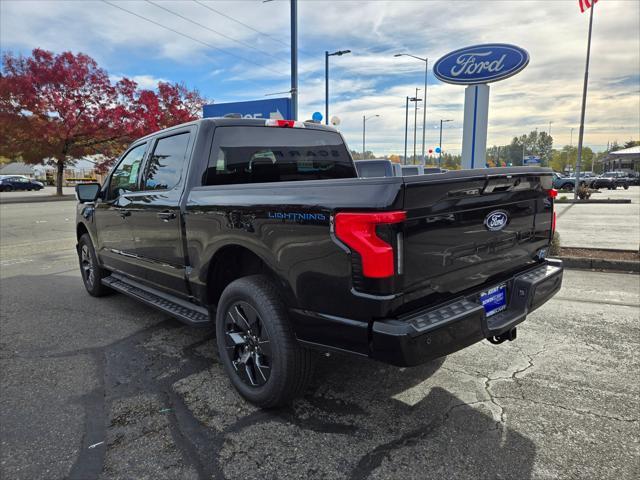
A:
x: 494, y: 300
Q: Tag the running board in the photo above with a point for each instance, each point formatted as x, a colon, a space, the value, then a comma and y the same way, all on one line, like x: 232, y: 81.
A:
x: 182, y: 310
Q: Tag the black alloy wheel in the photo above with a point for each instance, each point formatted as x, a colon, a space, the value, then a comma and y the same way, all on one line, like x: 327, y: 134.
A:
x: 247, y: 344
x: 91, y: 271
x: 257, y: 345
x: 87, y: 266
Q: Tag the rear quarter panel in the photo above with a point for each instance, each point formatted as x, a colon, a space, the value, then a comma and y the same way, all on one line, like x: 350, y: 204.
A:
x: 288, y: 226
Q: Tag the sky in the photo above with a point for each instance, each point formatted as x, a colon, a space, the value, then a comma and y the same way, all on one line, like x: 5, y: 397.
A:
x: 240, y: 50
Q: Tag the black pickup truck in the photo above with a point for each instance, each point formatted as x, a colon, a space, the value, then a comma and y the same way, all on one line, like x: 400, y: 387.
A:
x: 263, y: 228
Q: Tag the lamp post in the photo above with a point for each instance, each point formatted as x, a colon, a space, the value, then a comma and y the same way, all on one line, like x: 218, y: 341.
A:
x: 424, y: 111
x: 364, y: 129
x: 339, y: 53
x: 406, y: 125
x: 406, y: 128
x: 440, y: 157
x: 415, y: 122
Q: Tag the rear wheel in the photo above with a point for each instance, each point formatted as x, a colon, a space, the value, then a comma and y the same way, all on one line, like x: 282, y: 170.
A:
x: 258, y: 349
x: 92, y: 273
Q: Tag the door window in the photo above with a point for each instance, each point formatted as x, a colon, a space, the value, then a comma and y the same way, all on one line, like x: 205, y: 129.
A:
x: 125, y: 177
x: 164, y: 168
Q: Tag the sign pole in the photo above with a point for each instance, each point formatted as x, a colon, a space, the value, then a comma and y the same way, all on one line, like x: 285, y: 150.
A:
x: 584, y: 105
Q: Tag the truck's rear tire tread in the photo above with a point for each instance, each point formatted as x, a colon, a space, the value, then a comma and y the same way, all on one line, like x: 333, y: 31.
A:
x: 297, y: 361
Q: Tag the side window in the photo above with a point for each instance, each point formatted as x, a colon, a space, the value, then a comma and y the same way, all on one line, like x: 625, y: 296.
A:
x: 125, y: 177
x: 164, y: 168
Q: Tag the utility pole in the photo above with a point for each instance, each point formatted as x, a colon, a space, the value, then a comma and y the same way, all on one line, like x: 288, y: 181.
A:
x: 294, y: 59
x: 326, y: 87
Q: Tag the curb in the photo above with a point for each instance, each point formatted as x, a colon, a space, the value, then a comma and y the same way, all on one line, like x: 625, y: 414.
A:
x: 48, y: 198
x: 585, y: 263
x: 597, y: 200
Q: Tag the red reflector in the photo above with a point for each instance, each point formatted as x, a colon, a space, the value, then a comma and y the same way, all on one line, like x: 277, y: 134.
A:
x: 553, y: 193
x: 358, y: 232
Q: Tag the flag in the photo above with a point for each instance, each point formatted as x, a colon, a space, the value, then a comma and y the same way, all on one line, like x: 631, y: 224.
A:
x: 585, y: 4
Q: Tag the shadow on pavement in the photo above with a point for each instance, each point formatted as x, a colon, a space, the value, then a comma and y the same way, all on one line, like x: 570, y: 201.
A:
x: 109, y: 387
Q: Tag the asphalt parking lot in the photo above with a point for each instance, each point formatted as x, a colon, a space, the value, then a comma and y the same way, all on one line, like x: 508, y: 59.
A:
x: 602, y: 225
x: 108, y: 388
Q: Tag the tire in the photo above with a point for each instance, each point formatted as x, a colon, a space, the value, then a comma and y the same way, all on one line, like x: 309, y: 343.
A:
x: 256, y: 344
x: 567, y: 186
x: 8, y: 188
x: 626, y: 187
x: 88, y: 266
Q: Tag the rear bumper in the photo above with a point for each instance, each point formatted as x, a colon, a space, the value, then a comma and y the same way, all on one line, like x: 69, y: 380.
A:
x: 431, y: 333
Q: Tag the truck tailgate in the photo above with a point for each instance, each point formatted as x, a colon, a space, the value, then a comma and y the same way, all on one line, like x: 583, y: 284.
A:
x: 464, y: 228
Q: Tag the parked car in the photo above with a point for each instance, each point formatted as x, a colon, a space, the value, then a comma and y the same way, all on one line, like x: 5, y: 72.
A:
x: 262, y: 228
x: 12, y: 183
x: 561, y: 182
x: 619, y: 179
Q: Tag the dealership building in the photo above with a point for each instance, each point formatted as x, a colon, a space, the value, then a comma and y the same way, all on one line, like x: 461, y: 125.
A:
x: 627, y: 159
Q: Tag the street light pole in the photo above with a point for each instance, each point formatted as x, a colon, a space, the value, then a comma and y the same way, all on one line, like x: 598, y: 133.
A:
x: 440, y: 154
x: 326, y: 87
x: 364, y: 128
x: 406, y: 128
x: 424, y: 111
x: 415, y: 123
x: 339, y: 53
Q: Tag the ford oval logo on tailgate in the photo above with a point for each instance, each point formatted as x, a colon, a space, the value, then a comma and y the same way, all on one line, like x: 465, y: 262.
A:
x: 496, y: 220
x: 481, y: 64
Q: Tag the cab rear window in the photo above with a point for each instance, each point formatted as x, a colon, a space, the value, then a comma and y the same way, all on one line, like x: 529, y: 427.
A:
x: 267, y: 154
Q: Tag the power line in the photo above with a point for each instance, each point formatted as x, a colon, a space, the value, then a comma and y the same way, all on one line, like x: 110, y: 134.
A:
x: 247, y: 45
x: 275, y: 39
x: 192, y: 38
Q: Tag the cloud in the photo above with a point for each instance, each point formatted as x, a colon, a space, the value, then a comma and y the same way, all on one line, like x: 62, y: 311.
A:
x: 370, y: 79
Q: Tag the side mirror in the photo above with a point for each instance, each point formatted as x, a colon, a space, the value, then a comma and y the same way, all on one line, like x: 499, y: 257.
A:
x: 87, y: 192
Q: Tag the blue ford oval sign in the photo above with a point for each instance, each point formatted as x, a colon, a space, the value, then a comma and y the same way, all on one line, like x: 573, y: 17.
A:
x: 481, y: 64
x: 496, y: 220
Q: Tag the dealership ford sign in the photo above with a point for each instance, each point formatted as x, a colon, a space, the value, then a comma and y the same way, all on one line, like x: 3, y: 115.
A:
x: 480, y: 64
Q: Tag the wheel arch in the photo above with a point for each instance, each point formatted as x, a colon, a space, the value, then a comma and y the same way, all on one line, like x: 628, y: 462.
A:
x: 233, y: 261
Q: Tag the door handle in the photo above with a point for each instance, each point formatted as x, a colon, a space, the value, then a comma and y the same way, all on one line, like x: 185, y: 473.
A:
x: 166, y: 216
x: 124, y: 213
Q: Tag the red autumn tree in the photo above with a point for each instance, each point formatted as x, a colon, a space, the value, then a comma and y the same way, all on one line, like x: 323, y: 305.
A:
x: 62, y: 107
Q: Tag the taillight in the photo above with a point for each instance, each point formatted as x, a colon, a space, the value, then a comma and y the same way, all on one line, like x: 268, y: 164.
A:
x: 358, y: 232
x: 553, y: 193
x: 283, y: 123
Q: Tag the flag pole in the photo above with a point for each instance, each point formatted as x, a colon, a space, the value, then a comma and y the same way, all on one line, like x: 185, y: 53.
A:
x: 584, y: 104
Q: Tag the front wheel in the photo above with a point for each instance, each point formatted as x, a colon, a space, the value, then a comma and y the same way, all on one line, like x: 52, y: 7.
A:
x: 258, y: 349
x: 567, y: 186
x: 626, y: 187
x: 92, y: 273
